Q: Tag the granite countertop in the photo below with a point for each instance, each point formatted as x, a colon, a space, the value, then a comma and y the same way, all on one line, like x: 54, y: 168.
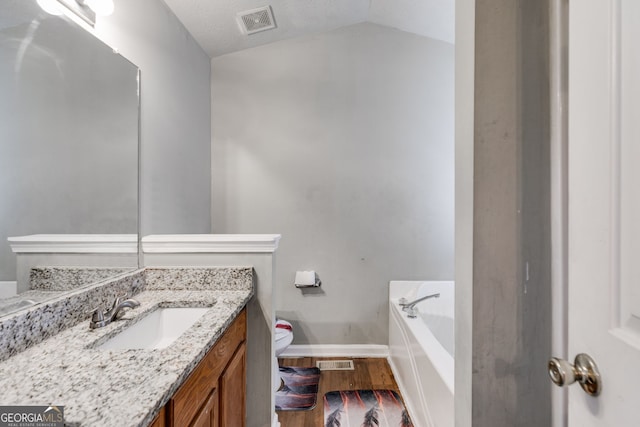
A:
x: 26, y: 299
x: 117, y: 387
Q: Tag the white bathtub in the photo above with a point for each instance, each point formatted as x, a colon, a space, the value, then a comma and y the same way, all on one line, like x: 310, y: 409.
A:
x: 421, y: 351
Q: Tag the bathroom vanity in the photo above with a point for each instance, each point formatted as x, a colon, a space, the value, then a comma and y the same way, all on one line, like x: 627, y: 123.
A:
x: 197, y: 379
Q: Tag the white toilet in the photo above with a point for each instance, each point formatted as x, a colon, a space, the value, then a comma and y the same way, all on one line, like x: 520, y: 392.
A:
x: 283, y: 333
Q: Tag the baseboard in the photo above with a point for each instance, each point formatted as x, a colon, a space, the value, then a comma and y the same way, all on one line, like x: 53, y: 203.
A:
x: 336, y: 350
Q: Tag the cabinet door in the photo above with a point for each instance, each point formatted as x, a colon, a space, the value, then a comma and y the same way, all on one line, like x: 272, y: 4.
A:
x: 208, y: 415
x: 160, y: 419
x: 232, y: 391
x: 185, y: 406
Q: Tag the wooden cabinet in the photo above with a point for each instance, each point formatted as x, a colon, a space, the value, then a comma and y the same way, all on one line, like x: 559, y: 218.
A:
x: 214, y: 394
x: 209, y: 414
x: 232, y: 386
x: 160, y: 419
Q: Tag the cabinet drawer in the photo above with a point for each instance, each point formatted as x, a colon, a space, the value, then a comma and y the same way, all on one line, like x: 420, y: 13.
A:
x: 188, y: 400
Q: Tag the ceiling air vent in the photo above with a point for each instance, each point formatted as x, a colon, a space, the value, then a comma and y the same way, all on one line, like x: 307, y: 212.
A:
x: 256, y: 20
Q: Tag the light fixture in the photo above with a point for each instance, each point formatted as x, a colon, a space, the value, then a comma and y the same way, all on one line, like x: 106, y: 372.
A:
x: 100, y: 7
x: 84, y: 9
x: 52, y: 7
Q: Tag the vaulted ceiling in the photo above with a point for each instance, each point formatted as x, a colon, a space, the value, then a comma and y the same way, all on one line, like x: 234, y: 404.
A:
x: 214, y: 23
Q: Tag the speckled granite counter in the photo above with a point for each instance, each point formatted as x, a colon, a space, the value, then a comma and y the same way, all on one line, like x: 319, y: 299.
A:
x: 117, y: 387
x: 67, y: 278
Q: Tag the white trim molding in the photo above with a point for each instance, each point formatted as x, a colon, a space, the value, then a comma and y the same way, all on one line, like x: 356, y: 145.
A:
x: 75, y: 243
x: 336, y: 350
x: 210, y: 243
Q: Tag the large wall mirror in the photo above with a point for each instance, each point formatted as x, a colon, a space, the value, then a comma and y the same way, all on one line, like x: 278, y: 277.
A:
x: 69, y: 119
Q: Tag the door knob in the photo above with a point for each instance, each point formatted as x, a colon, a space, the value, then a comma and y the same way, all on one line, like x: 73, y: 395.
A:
x: 584, y: 370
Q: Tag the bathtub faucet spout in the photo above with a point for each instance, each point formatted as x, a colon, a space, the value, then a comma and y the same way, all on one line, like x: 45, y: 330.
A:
x: 410, y: 307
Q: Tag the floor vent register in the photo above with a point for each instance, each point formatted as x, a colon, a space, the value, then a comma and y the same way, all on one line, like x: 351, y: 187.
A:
x: 335, y: 365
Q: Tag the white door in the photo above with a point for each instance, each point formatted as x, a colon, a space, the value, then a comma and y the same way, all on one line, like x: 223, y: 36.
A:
x: 604, y: 207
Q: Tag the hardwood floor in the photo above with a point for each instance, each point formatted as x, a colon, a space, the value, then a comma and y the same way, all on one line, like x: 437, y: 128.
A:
x: 373, y: 373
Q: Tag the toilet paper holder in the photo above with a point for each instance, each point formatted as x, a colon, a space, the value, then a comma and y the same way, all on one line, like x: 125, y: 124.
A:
x: 307, y: 279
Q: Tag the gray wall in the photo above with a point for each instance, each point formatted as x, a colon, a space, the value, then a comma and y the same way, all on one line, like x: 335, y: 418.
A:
x: 511, y: 253
x: 175, y: 115
x: 343, y: 143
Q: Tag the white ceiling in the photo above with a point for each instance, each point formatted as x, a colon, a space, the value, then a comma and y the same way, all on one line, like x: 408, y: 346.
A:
x: 213, y: 22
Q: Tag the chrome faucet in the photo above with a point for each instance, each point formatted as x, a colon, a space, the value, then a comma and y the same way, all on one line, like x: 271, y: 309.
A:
x: 410, y: 307
x: 100, y: 319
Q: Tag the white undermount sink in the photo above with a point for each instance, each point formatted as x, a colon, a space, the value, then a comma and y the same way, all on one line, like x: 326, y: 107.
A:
x: 157, y: 330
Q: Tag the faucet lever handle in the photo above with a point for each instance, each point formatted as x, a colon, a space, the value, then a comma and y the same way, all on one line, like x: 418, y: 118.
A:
x: 97, y: 314
x: 97, y: 319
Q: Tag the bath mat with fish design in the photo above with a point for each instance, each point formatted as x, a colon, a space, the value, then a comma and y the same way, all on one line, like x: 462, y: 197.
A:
x: 299, y: 391
x: 368, y: 408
